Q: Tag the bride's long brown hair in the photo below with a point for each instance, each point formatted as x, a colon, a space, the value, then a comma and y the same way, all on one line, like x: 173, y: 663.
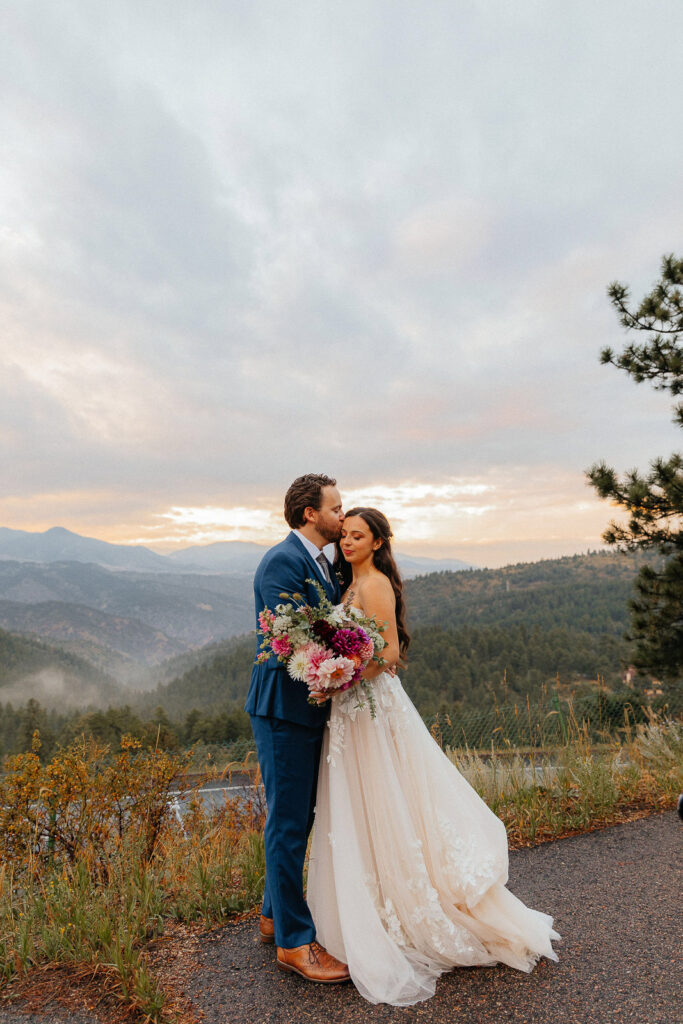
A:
x: 383, y: 560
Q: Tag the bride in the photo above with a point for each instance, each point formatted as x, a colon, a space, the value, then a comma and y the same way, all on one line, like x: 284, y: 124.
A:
x: 408, y: 865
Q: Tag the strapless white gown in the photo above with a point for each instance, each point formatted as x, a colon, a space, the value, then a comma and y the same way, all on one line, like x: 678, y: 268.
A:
x: 408, y: 865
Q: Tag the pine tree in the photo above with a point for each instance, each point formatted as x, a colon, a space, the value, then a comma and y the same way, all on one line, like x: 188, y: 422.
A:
x: 654, y: 500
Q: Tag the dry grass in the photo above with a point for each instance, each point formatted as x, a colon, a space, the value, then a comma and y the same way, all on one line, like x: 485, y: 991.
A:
x: 579, y: 788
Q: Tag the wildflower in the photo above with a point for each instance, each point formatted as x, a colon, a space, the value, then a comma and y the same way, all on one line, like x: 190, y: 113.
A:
x: 265, y: 619
x: 281, y: 623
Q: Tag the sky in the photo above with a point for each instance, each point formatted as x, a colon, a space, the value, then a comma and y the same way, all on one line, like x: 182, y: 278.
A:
x: 241, y: 241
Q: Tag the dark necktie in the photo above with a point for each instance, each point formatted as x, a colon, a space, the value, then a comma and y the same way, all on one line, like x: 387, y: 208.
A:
x: 322, y: 562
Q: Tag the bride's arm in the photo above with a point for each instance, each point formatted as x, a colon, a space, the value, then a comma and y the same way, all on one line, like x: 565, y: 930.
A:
x: 377, y: 598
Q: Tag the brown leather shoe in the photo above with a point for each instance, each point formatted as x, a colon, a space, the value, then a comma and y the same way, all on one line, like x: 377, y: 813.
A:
x: 313, y: 963
x: 266, y: 929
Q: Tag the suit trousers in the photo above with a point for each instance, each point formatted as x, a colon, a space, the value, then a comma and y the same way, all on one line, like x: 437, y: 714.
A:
x: 289, y: 755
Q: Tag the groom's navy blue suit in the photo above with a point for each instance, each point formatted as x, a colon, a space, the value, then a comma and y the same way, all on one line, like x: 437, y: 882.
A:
x: 288, y: 732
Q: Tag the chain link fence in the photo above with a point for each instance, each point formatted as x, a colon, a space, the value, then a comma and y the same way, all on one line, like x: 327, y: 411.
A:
x: 598, y: 717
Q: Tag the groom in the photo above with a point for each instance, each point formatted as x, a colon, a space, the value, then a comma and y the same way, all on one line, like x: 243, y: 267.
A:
x: 289, y: 731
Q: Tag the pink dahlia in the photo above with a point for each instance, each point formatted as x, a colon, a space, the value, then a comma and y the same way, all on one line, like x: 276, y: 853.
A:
x: 281, y: 646
x: 335, y: 673
x: 315, y: 656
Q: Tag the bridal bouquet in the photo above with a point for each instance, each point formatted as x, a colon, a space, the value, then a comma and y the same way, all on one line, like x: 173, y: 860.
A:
x: 327, y: 647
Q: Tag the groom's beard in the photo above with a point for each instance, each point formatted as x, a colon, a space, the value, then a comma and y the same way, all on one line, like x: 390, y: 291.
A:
x: 331, y: 534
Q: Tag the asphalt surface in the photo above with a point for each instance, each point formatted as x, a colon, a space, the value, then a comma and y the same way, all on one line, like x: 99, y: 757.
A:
x: 616, y: 899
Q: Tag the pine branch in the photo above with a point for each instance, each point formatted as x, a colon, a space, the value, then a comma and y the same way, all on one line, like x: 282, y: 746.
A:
x: 653, y: 501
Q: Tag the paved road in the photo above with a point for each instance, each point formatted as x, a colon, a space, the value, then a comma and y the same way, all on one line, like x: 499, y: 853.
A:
x: 615, y: 896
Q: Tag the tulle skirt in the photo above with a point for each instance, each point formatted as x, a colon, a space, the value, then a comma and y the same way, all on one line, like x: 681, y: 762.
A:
x: 408, y: 865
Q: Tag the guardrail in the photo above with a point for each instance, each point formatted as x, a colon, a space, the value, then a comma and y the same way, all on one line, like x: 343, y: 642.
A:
x: 243, y: 769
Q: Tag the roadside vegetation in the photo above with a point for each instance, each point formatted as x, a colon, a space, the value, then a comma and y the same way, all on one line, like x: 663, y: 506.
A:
x: 581, y: 785
x: 96, y: 859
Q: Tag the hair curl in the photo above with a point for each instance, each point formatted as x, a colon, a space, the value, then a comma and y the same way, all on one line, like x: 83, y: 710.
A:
x: 383, y: 560
x: 305, y: 492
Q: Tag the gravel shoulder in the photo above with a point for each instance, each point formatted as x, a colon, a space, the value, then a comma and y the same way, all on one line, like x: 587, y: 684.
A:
x: 614, y: 894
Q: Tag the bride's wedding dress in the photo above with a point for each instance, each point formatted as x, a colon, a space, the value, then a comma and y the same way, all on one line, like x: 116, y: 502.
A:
x: 408, y: 865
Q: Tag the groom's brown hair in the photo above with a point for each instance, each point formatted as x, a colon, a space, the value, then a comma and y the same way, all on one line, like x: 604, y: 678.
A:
x: 305, y: 492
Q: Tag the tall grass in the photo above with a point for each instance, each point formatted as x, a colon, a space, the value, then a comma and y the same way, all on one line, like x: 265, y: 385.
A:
x: 578, y: 786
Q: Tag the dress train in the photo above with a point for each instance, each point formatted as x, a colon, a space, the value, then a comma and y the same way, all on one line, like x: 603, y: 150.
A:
x: 408, y: 865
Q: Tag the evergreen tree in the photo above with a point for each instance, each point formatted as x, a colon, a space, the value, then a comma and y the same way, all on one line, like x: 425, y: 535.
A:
x: 653, y: 500
x: 34, y: 718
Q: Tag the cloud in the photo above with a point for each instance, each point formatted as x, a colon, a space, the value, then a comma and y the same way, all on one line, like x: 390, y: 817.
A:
x: 487, y: 520
x: 237, y: 245
x: 443, y: 237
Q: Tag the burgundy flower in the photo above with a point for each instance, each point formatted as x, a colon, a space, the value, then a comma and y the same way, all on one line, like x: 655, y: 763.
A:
x: 325, y: 631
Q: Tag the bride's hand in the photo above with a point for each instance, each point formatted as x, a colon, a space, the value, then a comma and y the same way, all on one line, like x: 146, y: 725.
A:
x: 319, y: 696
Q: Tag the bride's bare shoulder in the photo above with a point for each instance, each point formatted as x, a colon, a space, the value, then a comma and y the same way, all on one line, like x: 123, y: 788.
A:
x: 375, y: 590
x: 371, y: 594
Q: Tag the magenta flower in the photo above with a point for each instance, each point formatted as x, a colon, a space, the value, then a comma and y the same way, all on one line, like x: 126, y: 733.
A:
x: 281, y: 646
x: 350, y: 641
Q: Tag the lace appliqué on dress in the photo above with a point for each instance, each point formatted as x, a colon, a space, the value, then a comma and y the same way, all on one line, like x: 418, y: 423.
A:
x: 445, y: 936
x: 386, y: 912
x: 472, y: 868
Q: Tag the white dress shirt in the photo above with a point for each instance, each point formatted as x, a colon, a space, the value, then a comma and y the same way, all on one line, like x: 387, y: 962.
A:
x: 314, y: 551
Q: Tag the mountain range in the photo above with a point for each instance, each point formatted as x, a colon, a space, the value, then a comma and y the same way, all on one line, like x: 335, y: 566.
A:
x: 138, y: 619
x: 233, y: 556
x: 146, y: 615
x: 125, y: 609
x: 60, y: 545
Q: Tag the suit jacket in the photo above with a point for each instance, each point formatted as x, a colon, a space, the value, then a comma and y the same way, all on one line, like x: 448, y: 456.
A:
x: 272, y: 692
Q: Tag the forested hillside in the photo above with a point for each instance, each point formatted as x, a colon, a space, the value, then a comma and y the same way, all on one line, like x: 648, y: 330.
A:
x: 32, y: 668
x: 583, y: 592
x: 476, y: 635
x: 471, y: 664
x: 218, y: 681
